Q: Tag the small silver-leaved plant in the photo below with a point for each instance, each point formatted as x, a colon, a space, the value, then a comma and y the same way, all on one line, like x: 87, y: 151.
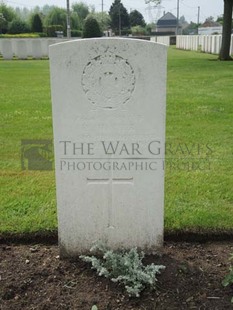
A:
x: 124, y: 267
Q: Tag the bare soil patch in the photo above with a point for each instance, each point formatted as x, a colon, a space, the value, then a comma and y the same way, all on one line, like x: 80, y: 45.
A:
x: 33, y: 277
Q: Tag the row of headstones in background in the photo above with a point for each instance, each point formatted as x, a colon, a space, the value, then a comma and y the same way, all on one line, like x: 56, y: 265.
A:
x: 24, y: 48
x: 38, y: 48
x: 206, y: 43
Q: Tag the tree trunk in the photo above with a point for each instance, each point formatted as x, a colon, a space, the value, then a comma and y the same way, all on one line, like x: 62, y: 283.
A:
x: 226, y: 34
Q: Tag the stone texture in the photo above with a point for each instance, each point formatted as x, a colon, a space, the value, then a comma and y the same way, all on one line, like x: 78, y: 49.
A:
x: 6, y: 49
x: 21, y: 49
x: 108, y: 100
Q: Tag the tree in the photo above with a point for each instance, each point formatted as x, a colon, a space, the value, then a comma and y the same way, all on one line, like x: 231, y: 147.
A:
x: 119, y: 16
x: 7, y: 15
x: 56, y: 16
x: 220, y: 19
x: 18, y: 26
x: 103, y: 19
x: 56, y: 21
x: 209, y: 19
x: 3, y: 23
x: 91, y: 28
x: 136, y: 19
x: 75, y: 21
x: 226, y: 33
x: 36, y: 23
x: 138, y: 30
x: 150, y: 27
x: 82, y: 10
x: 46, y: 9
x: 191, y: 29
x: 22, y: 13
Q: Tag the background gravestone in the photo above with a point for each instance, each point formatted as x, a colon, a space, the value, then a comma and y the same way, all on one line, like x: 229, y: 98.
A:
x: 21, y: 49
x: 6, y: 49
x: 108, y: 100
x: 37, y: 49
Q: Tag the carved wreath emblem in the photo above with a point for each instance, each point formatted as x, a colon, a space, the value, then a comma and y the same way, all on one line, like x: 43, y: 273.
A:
x: 108, y: 81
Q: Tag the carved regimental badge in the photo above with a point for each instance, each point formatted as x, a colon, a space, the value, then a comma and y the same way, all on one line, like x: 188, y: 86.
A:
x: 108, y: 81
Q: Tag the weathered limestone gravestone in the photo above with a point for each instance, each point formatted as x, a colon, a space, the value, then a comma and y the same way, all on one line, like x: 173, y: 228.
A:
x: 108, y: 100
x: 6, y: 49
x: 21, y: 49
x: 36, y: 49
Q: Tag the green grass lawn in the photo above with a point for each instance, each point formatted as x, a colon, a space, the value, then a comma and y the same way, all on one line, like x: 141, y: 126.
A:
x: 199, y: 178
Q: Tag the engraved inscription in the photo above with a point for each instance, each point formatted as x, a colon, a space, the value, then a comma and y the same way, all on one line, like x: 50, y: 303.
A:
x: 108, y: 81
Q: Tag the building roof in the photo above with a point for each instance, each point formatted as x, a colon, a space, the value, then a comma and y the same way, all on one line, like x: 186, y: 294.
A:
x: 168, y: 16
x: 167, y: 19
x: 210, y: 23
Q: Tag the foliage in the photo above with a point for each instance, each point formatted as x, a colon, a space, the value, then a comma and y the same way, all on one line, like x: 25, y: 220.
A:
x: 228, y: 280
x: 3, y: 23
x: 103, y: 19
x: 51, y: 30
x: 36, y: 23
x: 119, y: 16
x: 220, y: 19
x: 76, y: 33
x: 46, y: 9
x: 192, y: 28
x: 56, y: 16
x: 124, y: 267
x: 23, y: 35
x: 150, y: 27
x: 82, y: 10
x: 138, y: 30
x: 24, y: 13
x: 7, y: 14
x: 42, y: 34
x: 18, y: 26
x: 124, y: 32
x: 75, y: 21
x: 91, y: 28
x: 136, y: 19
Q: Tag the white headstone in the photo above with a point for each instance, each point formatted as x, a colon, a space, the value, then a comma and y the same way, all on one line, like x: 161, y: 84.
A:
x: 6, y: 49
x: 21, y: 49
x: 44, y: 47
x: 37, y: 49
x: 108, y: 100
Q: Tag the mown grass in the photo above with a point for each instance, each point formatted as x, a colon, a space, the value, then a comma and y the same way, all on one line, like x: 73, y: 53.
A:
x: 199, y: 112
x: 27, y: 197
x: 199, y: 174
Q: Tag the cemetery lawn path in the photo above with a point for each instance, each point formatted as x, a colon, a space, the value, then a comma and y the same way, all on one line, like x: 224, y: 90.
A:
x: 33, y: 277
